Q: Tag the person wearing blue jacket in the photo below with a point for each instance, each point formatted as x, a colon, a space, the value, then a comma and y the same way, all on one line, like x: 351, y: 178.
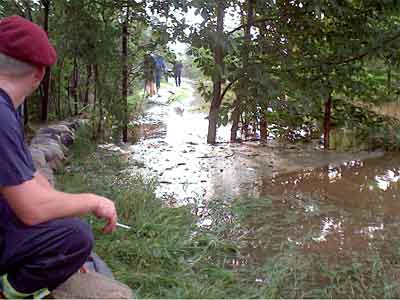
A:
x: 160, y: 69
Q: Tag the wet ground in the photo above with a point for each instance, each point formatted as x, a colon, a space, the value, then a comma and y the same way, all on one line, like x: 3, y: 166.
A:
x: 340, y: 202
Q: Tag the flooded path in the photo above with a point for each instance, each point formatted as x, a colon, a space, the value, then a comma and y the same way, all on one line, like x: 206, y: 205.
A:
x: 340, y: 202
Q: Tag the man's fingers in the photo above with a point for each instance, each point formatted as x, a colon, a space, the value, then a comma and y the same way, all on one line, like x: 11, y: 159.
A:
x: 111, y: 224
x: 107, y: 228
x: 114, y: 222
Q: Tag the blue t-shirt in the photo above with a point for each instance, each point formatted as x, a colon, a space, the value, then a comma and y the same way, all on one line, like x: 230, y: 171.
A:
x: 16, y: 164
x: 159, y: 63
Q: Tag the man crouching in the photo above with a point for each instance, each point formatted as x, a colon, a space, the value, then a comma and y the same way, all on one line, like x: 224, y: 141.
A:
x: 41, y: 242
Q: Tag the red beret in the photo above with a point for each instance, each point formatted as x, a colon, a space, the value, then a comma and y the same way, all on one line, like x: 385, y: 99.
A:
x: 26, y: 41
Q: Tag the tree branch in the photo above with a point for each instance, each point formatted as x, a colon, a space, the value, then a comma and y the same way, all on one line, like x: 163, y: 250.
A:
x: 28, y: 9
x: 350, y: 59
x: 227, y: 88
x: 258, y: 20
x: 19, y: 8
x: 365, y: 53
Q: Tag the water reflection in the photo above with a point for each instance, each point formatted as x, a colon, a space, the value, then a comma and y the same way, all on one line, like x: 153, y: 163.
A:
x: 340, y: 209
x: 384, y: 181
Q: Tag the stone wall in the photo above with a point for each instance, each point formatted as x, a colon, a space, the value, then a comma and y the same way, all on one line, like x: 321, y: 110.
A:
x: 49, y: 146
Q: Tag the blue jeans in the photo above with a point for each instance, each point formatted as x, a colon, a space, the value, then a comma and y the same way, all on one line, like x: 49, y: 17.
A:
x: 178, y: 79
x: 158, y: 80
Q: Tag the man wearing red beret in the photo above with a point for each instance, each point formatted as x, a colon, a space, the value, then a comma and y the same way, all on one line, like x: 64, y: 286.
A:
x: 41, y: 242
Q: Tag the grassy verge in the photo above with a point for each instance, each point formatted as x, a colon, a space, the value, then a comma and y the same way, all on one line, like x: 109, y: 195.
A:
x: 183, y: 93
x: 168, y: 255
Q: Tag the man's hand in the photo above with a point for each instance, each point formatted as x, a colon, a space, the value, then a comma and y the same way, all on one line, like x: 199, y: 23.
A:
x: 44, y: 204
x: 105, y: 209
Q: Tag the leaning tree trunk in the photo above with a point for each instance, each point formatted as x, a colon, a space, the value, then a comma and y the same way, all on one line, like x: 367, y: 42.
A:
x: 76, y: 86
x: 95, y: 92
x: 389, y: 79
x: 59, y: 85
x: 46, y: 79
x: 327, y: 122
x: 88, y: 80
x: 125, y: 36
x: 217, y: 78
x: 235, y: 119
x: 243, y: 90
x: 100, y: 103
x: 263, y: 128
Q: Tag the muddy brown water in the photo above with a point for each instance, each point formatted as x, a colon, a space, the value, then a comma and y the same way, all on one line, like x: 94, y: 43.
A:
x: 338, y: 202
x: 336, y: 210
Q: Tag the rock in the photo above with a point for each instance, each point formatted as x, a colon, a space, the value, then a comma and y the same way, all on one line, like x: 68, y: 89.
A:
x: 56, y: 129
x: 51, y: 150
x: 92, y: 286
x: 38, y: 157
x: 96, y: 264
x: 42, y: 138
x: 65, y: 134
x: 67, y: 140
x: 73, y: 125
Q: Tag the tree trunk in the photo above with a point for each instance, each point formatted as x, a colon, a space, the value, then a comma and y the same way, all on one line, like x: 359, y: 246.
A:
x: 95, y: 92
x: 217, y: 78
x: 69, y: 101
x: 59, y: 84
x: 95, y: 88
x: 245, y: 126
x: 327, y: 122
x: 125, y: 36
x: 100, y: 125
x: 89, y: 71
x: 243, y: 87
x: 235, y: 120
x: 263, y: 128
x: 76, y: 84
x: 389, y: 79
x: 46, y: 79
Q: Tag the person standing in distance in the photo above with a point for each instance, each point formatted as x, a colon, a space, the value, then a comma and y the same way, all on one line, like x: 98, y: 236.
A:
x: 42, y: 242
x: 178, y: 67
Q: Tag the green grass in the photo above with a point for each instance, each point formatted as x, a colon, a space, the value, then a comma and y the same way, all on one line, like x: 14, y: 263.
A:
x: 168, y: 85
x: 182, y: 94
x: 168, y: 255
x: 136, y: 98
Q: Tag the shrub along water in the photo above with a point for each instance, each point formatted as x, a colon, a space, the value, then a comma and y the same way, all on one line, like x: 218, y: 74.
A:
x: 168, y: 254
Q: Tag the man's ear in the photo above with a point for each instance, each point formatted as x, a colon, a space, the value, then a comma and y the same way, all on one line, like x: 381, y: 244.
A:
x: 39, y: 73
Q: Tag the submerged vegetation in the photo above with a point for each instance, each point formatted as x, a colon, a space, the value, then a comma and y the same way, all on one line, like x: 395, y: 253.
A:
x: 172, y: 252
